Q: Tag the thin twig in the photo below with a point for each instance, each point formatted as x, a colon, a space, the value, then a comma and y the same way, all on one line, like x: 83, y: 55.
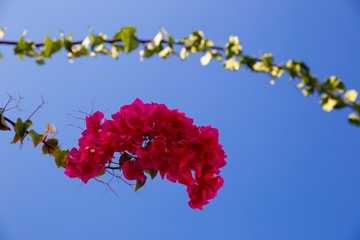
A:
x: 119, y: 177
x: 88, y: 114
x: 107, y: 186
x: 77, y: 126
x: 73, y: 116
x: 40, y: 106
x: 11, y: 99
x: 8, y: 102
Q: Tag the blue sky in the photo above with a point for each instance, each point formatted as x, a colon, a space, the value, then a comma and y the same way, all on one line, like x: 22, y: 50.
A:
x: 293, y: 169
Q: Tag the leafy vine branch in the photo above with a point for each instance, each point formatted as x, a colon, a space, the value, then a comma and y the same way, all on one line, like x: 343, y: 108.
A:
x: 50, y: 146
x: 150, y: 139
x: 332, y: 90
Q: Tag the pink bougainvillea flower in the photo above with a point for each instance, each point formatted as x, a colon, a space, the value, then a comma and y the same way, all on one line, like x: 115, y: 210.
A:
x: 93, y: 123
x: 153, y: 138
x: 132, y: 170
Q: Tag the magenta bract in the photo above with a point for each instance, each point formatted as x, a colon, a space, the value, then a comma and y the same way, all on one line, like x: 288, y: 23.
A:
x: 156, y: 138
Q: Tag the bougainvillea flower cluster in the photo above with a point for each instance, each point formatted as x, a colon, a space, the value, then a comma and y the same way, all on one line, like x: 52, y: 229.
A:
x: 151, y: 138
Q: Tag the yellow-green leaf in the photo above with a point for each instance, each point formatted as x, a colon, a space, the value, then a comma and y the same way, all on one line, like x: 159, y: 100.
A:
x: 20, y: 129
x: 152, y: 172
x: 51, y: 46
x: 127, y: 35
x: 139, y: 184
x: 50, y: 146
x: 60, y: 157
x: 334, y: 84
x: 37, y: 138
x: 354, y: 119
x: 3, y: 125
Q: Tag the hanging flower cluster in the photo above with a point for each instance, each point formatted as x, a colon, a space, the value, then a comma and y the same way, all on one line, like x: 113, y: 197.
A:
x: 151, y: 138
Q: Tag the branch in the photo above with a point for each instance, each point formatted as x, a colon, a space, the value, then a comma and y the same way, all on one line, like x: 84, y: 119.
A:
x: 27, y: 132
x: 332, y: 90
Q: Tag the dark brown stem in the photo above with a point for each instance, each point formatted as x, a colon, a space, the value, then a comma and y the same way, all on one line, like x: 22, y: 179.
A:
x: 108, y: 41
x: 113, y: 168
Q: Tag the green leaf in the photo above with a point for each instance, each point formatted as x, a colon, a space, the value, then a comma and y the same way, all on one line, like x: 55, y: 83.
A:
x: 152, y: 172
x: 127, y: 35
x: 67, y: 42
x: 50, y: 146
x: 40, y: 61
x: 309, y: 80
x: 248, y: 61
x: 329, y: 102
x: 123, y: 158
x: 354, y: 119
x: 304, y: 68
x: 67, y: 45
x: 319, y: 87
x: 308, y: 91
x: 119, y: 48
x: 96, y: 39
x: 293, y: 68
x: 334, y: 84
x: 101, y: 173
x: 171, y: 41
x: 267, y: 60
x: 24, y: 48
x: 3, y: 125
x: 139, y: 184
x: 51, y: 46
x: 195, y: 41
x: 60, y: 157
x: 357, y: 107
x: 233, y: 47
x: 215, y: 54
x: 148, y: 51
x: 37, y: 138
x: 80, y: 49
x: 20, y: 129
x: 340, y: 103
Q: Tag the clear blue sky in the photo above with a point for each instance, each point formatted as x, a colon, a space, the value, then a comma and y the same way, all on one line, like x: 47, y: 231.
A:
x: 293, y: 170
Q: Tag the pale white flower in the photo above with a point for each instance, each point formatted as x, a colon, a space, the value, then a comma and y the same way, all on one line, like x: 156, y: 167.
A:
x: 50, y: 129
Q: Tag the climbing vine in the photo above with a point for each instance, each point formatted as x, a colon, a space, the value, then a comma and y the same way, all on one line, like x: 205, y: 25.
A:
x: 332, y: 91
x: 150, y: 138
